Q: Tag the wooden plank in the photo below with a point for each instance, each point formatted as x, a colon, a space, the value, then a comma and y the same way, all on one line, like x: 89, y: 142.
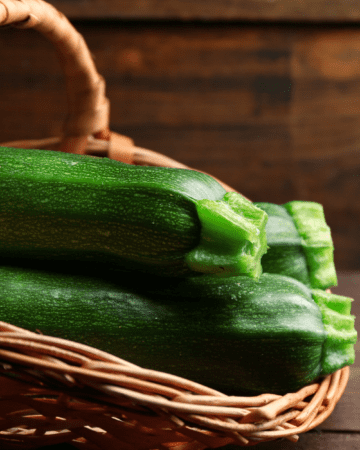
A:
x: 187, y: 92
x: 313, y: 440
x: 349, y: 285
x: 255, y: 106
x: 325, y: 132
x: 290, y: 10
x: 346, y: 415
x: 326, y: 71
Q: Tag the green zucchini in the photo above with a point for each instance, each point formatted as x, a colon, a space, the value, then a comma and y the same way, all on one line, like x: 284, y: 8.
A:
x: 233, y: 334
x: 300, y: 243
x: 176, y: 222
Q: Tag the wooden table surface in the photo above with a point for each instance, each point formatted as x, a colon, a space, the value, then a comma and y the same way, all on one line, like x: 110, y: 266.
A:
x: 342, y: 429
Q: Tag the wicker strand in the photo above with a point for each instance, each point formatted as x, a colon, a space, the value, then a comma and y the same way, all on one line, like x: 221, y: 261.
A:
x: 113, y: 403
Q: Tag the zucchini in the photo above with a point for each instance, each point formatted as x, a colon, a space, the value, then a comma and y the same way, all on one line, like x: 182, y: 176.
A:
x: 178, y: 222
x: 300, y: 243
x: 232, y: 334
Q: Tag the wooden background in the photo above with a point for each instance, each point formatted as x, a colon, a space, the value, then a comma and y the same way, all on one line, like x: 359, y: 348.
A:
x: 264, y: 94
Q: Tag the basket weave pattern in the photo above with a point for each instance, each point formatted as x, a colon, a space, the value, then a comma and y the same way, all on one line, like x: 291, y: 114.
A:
x: 62, y: 391
x: 55, y: 391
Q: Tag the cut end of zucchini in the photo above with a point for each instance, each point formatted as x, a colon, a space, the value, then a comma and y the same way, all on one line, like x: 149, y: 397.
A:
x: 338, y: 350
x: 233, y: 237
x: 309, y: 220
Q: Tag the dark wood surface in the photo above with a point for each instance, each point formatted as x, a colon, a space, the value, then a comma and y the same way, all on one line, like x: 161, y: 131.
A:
x: 272, y: 110
x: 290, y: 10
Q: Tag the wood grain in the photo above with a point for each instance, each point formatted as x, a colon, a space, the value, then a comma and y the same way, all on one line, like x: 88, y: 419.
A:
x: 271, y: 110
x: 313, y: 440
x: 290, y: 10
x: 346, y: 415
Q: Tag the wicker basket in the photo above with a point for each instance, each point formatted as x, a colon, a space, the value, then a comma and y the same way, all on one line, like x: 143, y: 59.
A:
x: 57, y: 391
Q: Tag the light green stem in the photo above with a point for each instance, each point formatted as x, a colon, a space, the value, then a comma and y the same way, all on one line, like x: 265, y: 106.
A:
x: 233, y: 237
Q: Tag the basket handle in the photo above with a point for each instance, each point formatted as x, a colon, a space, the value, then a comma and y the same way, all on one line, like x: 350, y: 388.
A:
x: 86, y: 129
x: 88, y: 108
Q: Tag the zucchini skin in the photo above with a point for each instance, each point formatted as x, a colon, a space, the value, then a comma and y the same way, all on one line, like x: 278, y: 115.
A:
x: 300, y: 243
x: 232, y: 334
x: 55, y: 205
x: 285, y: 254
